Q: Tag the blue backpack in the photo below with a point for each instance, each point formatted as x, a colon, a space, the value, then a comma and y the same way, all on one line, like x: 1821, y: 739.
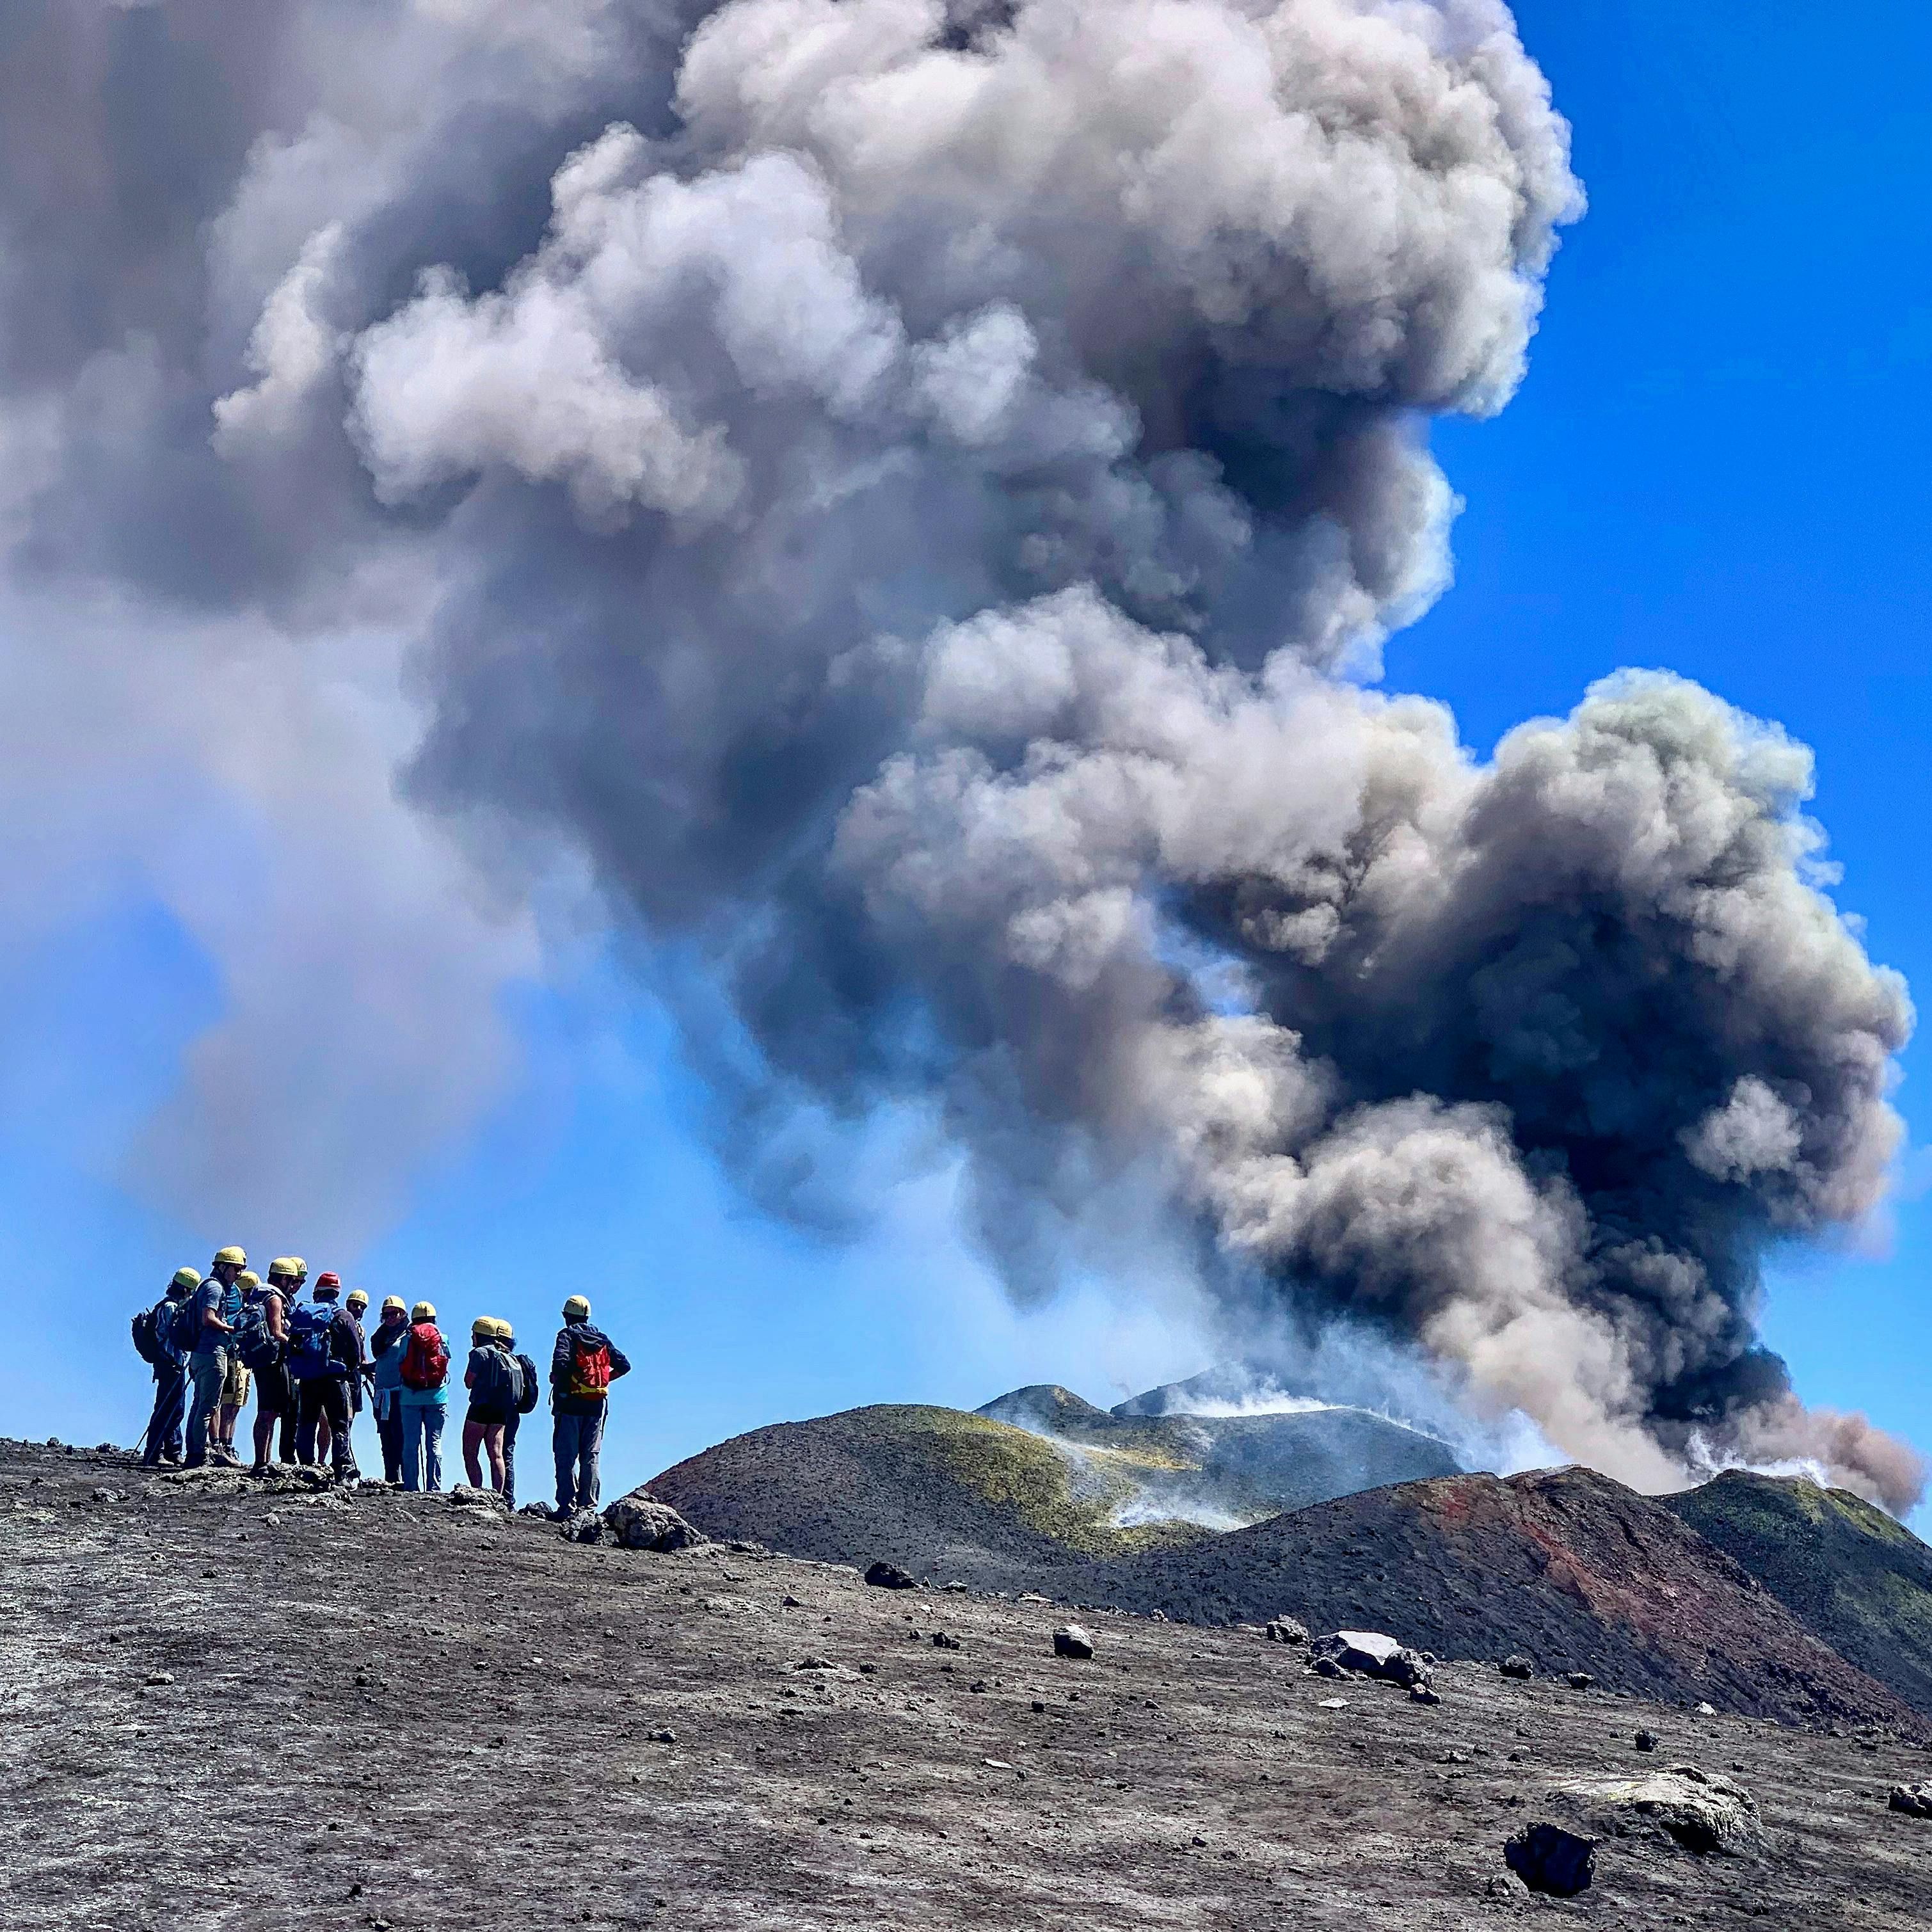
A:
x: 309, y: 1354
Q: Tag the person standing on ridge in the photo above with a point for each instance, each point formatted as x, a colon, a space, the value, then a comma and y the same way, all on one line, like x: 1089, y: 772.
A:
x: 583, y: 1365
x: 356, y: 1302
x: 424, y: 1396
x: 531, y: 1393
x: 495, y: 1384
x: 286, y: 1273
x: 234, y: 1390
x: 263, y: 1345
x: 328, y: 1287
x: 162, y: 1441
x: 213, y: 1312
x: 386, y: 1383
x: 325, y: 1350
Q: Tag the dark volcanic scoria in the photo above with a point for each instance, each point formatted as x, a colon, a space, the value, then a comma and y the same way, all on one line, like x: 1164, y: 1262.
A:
x: 234, y: 1706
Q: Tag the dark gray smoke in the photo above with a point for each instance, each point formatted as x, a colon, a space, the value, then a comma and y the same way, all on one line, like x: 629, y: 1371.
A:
x: 910, y: 496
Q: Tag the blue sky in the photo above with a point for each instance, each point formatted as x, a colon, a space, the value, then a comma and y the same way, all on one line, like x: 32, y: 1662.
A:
x: 1715, y: 466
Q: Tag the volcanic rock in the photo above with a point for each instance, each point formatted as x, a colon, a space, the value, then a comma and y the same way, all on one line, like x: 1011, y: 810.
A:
x: 1646, y: 1741
x: 1548, y: 1858
x: 1518, y: 1667
x: 1914, y: 1800
x: 1702, y: 1811
x: 1072, y: 1640
x: 1286, y: 1630
x: 884, y: 1575
x: 1371, y: 1653
x: 639, y: 1521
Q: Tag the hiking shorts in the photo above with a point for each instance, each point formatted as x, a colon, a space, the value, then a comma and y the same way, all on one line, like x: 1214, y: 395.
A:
x: 487, y: 1415
x: 235, y: 1389
x: 275, y: 1391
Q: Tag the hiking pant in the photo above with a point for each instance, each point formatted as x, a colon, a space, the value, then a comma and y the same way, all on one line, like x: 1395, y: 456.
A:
x: 322, y: 1396
x: 510, y: 1460
x: 164, y: 1426
x: 577, y: 1440
x: 208, y: 1370
x: 389, y: 1430
x: 275, y: 1401
x: 422, y: 1445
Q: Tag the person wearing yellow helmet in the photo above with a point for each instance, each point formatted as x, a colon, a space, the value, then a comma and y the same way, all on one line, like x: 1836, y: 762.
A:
x: 154, y: 1339
x: 215, y: 1312
x: 235, y: 1389
x: 584, y: 1363
x: 529, y: 1392
x: 425, y: 1397
x: 386, y: 1382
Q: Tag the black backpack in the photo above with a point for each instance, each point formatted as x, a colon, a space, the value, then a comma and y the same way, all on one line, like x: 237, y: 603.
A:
x: 150, y: 1340
x: 255, y: 1341
x: 494, y: 1379
x: 532, y: 1389
x: 184, y: 1323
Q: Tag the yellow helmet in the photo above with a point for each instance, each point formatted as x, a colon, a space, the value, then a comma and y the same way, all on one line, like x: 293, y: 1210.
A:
x: 424, y: 1311
x: 283, y: 1269
x: 230, y: 1258
x: 247, y: 1278
x: 396, y: 1302
x: 297, y: 1267
x: 185, y: 1278
x: 576, y: 1309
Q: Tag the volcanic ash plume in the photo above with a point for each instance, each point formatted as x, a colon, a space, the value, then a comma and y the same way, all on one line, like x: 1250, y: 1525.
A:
x: 915, y: 505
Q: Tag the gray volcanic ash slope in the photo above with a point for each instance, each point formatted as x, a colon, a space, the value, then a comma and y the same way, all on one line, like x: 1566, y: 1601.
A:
x: 513, y: 1730
x: 1226, y: 1470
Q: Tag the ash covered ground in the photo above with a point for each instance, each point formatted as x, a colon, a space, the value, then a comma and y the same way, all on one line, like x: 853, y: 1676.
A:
x: 234, y: 1704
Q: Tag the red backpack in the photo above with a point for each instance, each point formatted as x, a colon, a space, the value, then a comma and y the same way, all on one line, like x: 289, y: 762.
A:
x: 589, y: 1366
x: 425, y: 1360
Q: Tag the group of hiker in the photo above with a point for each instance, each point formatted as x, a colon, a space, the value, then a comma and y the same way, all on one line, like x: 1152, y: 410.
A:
x: 314, y: 1365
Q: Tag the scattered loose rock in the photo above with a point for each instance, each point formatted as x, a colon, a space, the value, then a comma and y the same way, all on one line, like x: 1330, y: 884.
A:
x: 1914, y: 1800
x: 1286, y: 1630
x: 883, y: 1575
x: 1071, y: 1640
x: 1579, y: 1680
x: 640, y: 1522
x: 1516, y: 1665
x: 1646, y: 1741
x: 1548, y: 1858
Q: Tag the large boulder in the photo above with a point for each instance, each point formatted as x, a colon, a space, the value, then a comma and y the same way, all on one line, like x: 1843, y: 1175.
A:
x: 1370, y: 1654
x: 1914, y: 1800
x: 639, y: 1521
x: 1699, y: 1811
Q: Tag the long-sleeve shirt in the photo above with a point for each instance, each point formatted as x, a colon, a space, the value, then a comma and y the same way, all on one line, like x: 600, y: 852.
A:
x: 563, y: 1360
